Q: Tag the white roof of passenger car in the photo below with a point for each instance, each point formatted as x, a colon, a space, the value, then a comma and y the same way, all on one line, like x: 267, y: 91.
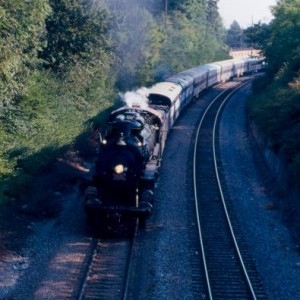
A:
x: 168, y: 89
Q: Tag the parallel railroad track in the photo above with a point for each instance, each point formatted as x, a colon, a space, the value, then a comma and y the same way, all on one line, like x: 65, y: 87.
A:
x: 227, y: 264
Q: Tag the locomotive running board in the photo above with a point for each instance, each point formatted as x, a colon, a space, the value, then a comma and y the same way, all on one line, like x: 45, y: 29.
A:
x: 143, y: 210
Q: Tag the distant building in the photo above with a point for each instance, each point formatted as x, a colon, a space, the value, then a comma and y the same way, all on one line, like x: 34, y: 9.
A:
x: 243, y: 53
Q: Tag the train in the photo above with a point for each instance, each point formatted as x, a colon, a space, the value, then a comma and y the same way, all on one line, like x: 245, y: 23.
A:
x: 130, y: 152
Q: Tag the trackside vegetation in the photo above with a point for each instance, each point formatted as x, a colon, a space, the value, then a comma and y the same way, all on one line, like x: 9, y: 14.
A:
x: 275, y: 106
x: 63, y: 62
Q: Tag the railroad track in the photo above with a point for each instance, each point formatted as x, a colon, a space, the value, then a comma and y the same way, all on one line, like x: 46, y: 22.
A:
x: 109, y: 269
x: 228, y: 268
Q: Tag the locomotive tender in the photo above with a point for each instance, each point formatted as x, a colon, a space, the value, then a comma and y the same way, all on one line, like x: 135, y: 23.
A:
x: 129, y: 158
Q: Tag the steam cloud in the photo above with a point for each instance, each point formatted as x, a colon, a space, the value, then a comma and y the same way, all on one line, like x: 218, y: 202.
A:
x: 136, y: 98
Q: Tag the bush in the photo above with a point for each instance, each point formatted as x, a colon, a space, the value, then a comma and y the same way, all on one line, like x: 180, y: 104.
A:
x: 276, y: 111
x: 44, y: 122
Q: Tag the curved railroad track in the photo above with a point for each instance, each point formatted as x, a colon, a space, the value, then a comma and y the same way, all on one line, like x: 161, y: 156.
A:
x: 109, y: 269
x: 228, y: 267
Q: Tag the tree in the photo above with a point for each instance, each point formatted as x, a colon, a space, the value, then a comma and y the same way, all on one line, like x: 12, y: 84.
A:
x: 194, y: 44
x: 235, y: 37
x: 137, y: 42
x: 21, y: 33
x: 213, y: 17
x: 175, y: 4
x: 258, y: 35
x: 283, y: 44
x: 275, y: 107
x: 76, y: 31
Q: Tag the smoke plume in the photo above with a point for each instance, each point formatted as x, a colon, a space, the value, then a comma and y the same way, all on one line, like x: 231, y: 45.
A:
x: 136, y: 98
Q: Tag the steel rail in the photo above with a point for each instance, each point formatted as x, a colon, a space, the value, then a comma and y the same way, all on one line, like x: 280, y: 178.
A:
x: 93, y: 264
x: 87, y: 268
x: 129, y: 262
x: 222, y: 194
x: 209, y: 289
x: 196, y: 198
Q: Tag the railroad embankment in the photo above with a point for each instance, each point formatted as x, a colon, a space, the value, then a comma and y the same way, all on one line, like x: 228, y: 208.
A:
x: 285, y: 185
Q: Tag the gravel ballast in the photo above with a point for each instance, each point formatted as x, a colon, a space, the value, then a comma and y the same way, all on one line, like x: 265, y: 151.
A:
x: 255, y: 197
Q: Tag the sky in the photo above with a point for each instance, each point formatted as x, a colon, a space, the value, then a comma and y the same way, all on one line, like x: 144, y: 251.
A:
x: 244, y: 11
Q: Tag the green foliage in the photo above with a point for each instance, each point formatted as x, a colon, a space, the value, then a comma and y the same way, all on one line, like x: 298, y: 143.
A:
x: 235, y: 37
x: 50, y: 116
x: 275, y: 106
x: 150, y: 45
x: 21, y: 31
x: 195, y: 44
x: 258, y: 35
x: 60, y: 60
x: 76, y: 31
x: 176, y: 4
x: 214, y: 21
x: 138, y: 40
x: 285, y: 36
x: 188, y: 40
x: 277, y: 113
x: 276, y: 110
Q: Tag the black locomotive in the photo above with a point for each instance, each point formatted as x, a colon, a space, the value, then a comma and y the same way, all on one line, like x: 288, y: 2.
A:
x: 126, y: 167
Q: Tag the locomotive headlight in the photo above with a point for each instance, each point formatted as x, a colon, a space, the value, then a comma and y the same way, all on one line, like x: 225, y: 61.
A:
x: 119, y: 169
x: 139, y: 144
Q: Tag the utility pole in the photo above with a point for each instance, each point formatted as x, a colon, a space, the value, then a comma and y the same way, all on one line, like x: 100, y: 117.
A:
x: 251, y: 54
x: 166, y: 13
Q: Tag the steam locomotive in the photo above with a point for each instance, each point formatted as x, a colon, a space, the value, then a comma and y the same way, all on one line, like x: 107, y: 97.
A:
x: 130, y: 153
